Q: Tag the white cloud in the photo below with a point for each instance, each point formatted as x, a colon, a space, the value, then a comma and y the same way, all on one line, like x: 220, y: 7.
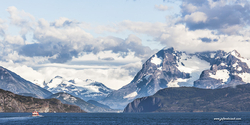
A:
x: 113, y: 78
x: 152, y: 29
x: 14, y: 39
x: 3, y: 27
x: 113, y: 73
x: 65, y: 38
x: 183, y: 39
x: 226, y: 16
x: 21, y: 19
x: 189, y: 8
x: 196, y: 17
x: 162, y: 7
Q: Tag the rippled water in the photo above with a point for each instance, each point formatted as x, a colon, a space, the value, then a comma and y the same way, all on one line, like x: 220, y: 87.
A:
x: 123, y: 118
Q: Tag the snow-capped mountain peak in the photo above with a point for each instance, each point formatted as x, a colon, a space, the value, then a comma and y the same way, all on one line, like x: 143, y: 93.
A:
x: 172, y: 68
x: 234, y: 53
x: 84, y: 89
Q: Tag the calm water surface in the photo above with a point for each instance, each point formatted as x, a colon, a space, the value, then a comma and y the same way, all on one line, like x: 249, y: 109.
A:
x: 124, y: 118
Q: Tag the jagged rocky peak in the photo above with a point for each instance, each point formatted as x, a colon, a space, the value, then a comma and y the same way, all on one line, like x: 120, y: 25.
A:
x: 234, y: 53
x: 166, y: 68
x: 227, y: 69
x: 160, y: 71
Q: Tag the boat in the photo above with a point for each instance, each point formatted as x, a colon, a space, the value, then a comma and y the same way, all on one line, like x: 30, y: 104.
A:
x: 35, y: 113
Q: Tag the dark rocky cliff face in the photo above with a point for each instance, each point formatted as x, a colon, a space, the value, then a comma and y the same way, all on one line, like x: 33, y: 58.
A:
x: 10, y: 81
x: 10, y: 102
x: 190, y: 99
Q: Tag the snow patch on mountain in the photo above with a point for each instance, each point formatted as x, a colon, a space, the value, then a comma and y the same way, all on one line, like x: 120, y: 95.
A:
x: 239, y: 69
x: 221, y: 75
x: 245, y: 77
x: 193, y: 65
x: 174, y: 83
x: 147, y: 77
x: 131, y: 95
x: 247, y: 61
x: 235, y: 64
x: 223, y: 64
x: 212, y: 55
x: 55, y: 82
x: 156, y: 60
x: 67, y: 97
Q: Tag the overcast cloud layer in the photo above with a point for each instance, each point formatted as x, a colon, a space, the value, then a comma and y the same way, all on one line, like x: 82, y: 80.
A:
x: 71, y: 48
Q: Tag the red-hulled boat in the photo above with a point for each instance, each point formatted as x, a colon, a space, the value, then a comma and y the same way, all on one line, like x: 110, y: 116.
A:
x: 35, y: 113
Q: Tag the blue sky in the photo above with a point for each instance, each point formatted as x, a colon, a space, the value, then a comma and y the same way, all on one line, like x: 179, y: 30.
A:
x: 108, y: 41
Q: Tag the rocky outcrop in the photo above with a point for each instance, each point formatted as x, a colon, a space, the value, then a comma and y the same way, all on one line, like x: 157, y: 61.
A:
x: 10, y: 102
x: 190, y: 99
x: 10, y: 81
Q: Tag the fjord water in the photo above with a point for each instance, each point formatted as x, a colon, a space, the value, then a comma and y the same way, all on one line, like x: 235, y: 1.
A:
x: 123, y: 118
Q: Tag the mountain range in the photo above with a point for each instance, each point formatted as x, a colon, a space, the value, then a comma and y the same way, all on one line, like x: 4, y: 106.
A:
x: 165, y: 69
x: 84, y: 89
x: 87, y: 89
x: 171, y: 68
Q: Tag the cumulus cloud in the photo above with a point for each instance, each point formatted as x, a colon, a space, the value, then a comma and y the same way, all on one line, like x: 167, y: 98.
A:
x: 196, y: 17
x: 114, y: 73
x: 14, y: 39
x: 225, y: 16
x: 63, y: 47
x: 63, y: 22
x: 151, y: 29
x: 162, y: 7
x: 113, y: 78
x: 21, y: 19
x: 64, y: 39
x: 183, y: 39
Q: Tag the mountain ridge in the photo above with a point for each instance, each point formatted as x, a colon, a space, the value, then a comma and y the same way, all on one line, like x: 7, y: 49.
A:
x: 84, y: 89
x: 191, y: 99
x: 10, y: 81
x: 71, y: 100
x: 10, y: 102
x: 171, y: 68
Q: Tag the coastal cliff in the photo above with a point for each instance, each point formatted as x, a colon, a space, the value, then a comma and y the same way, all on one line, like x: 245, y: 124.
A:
x: 10, y: 102
x: 191, y: 99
